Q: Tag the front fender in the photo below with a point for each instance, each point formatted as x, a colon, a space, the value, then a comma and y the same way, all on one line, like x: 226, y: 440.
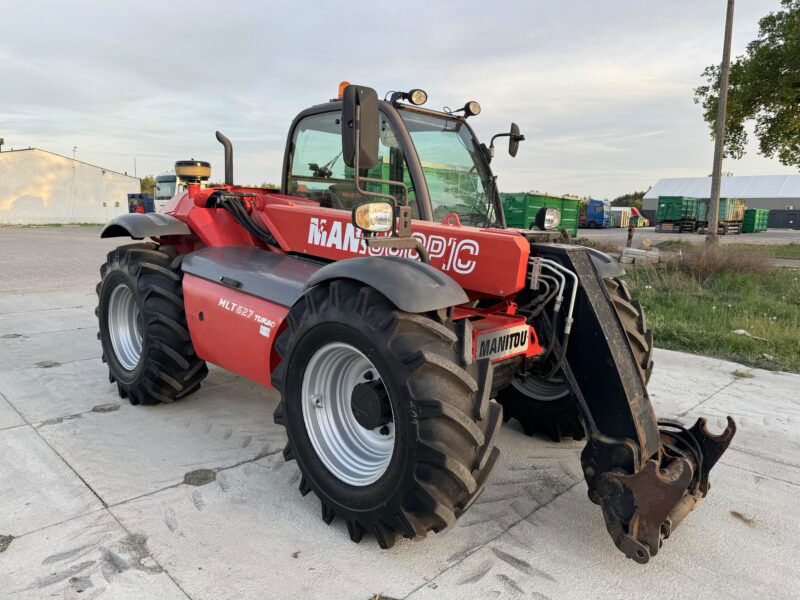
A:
x: 141, y: 225
x: 411, y: 285
x: 605, y: 265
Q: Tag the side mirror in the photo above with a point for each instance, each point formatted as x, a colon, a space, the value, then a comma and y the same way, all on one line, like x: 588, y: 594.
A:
x: 514, y: 139
x: 360, y: 132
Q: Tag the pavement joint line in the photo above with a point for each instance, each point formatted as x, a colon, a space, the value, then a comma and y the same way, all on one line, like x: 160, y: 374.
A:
x: 31, y: 334
x: 723, y: 388
x: 38, y: 310
x: 180, y: 483
x: 490, y: 540
x: 56, y: 452
x: 150, y: 554
x: 746, y: 470
x: 15, y: 426
x: 66, y: 362
x: 80, y: 516
x: 767, y: 458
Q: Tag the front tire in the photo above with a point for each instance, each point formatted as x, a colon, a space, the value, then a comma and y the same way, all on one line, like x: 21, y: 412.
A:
x: 422, y: 387
x: 143, y: 330
x: 550, y: 407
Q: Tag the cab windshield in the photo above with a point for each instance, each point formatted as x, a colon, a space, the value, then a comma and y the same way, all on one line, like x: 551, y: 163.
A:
x: 165, y: 187
x: 458, y: 177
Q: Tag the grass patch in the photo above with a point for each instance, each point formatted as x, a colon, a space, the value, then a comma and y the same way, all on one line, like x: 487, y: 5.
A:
x: 790, y: 250
x: 696, y: 304
x: 742, y: 374
x: 772, y: 250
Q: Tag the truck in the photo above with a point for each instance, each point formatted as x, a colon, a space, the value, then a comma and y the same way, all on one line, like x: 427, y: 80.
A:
x: 595, y: 214
x: 399, y: 336
x: 676, y: 214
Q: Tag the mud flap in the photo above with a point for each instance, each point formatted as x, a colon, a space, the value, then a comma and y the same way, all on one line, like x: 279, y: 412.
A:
x: 646, y: 475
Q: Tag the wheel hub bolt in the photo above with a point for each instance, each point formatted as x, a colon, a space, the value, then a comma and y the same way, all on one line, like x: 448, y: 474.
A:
x: 317, y: 400
x: 384, y: 430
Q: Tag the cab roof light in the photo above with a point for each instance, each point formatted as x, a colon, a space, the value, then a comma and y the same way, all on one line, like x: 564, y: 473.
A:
x: 416, y: 96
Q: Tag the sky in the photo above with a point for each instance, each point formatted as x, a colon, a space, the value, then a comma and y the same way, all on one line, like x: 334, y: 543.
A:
x: 603, y: 91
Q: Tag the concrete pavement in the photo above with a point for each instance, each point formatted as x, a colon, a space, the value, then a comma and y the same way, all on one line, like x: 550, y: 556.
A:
x: 108, y: 500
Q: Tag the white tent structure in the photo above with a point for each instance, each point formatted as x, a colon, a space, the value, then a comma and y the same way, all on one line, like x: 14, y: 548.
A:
x: 778, y: 193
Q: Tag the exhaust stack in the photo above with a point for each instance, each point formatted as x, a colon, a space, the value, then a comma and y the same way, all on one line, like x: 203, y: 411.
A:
x: 226, y: 143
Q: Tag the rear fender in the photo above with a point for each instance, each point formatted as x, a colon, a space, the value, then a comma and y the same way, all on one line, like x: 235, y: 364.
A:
x: 141, y: 225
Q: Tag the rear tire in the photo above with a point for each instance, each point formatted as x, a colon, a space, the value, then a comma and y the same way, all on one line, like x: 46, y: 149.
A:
x: 443, y: 424
x: 143, y: 330
x: 553, y: 410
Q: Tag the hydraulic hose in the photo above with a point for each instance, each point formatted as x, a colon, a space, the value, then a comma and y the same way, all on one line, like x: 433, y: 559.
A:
x: 553, y: 266
x: 234, y: 205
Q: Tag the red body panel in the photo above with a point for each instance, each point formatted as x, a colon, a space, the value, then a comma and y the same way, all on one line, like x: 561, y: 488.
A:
x: 230, y: 329
x: 235, y: 330
x: 467, y: 254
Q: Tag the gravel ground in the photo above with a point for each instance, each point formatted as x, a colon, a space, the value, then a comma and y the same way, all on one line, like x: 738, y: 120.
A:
x: 100, y: 499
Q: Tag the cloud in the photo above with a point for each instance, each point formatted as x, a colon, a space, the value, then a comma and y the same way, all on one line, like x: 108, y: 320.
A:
x: 602, y: 90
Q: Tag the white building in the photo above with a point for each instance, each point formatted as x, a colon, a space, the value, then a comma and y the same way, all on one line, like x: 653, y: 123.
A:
x: 779, y: 193
x: 39, y: 187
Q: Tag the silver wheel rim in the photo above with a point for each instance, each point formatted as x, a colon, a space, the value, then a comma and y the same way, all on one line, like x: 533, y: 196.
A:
x: 354, y: 454
x: 125, y: 327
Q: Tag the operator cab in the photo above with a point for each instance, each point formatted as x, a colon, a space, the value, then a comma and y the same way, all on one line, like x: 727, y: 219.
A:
x: 435, y: 154
x: 167, y: 186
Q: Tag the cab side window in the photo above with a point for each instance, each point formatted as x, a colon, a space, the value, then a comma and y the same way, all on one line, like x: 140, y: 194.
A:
x: 318, y: 172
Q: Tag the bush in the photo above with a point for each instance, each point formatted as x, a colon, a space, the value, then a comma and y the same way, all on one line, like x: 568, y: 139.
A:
x: 704, y: 262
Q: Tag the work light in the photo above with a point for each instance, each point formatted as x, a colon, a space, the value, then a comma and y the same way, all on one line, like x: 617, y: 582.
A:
x: 547, y: 218
x: 375, y: 217
x: 417, y: 97
x: 472, y: 108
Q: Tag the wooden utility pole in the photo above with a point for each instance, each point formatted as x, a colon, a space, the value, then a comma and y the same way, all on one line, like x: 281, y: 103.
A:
x: 716, y: 174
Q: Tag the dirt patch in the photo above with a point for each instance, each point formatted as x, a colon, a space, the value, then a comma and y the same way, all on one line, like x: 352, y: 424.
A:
x: 5, y: 540
x: 58, y: 420
x: 135, y: 546
x: 199, y: 477
x: 12, y: 336
x: 105, y: 408
x: 48, y: 364
x: 751, y: 522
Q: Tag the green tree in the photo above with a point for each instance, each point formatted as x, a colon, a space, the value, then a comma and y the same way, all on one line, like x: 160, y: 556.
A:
x: 269, y: 186
x: 148, y: 184
x: 633, y: 199
x: 764, y: 88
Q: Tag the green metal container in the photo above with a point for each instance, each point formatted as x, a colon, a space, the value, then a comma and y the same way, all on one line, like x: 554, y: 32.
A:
x: 676, y: 208
x: 755, y: 220
x: 521, y: 208
x: 730, y: 210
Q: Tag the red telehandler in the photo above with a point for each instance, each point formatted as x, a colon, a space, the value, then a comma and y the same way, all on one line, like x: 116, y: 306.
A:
x: 382, y: 296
